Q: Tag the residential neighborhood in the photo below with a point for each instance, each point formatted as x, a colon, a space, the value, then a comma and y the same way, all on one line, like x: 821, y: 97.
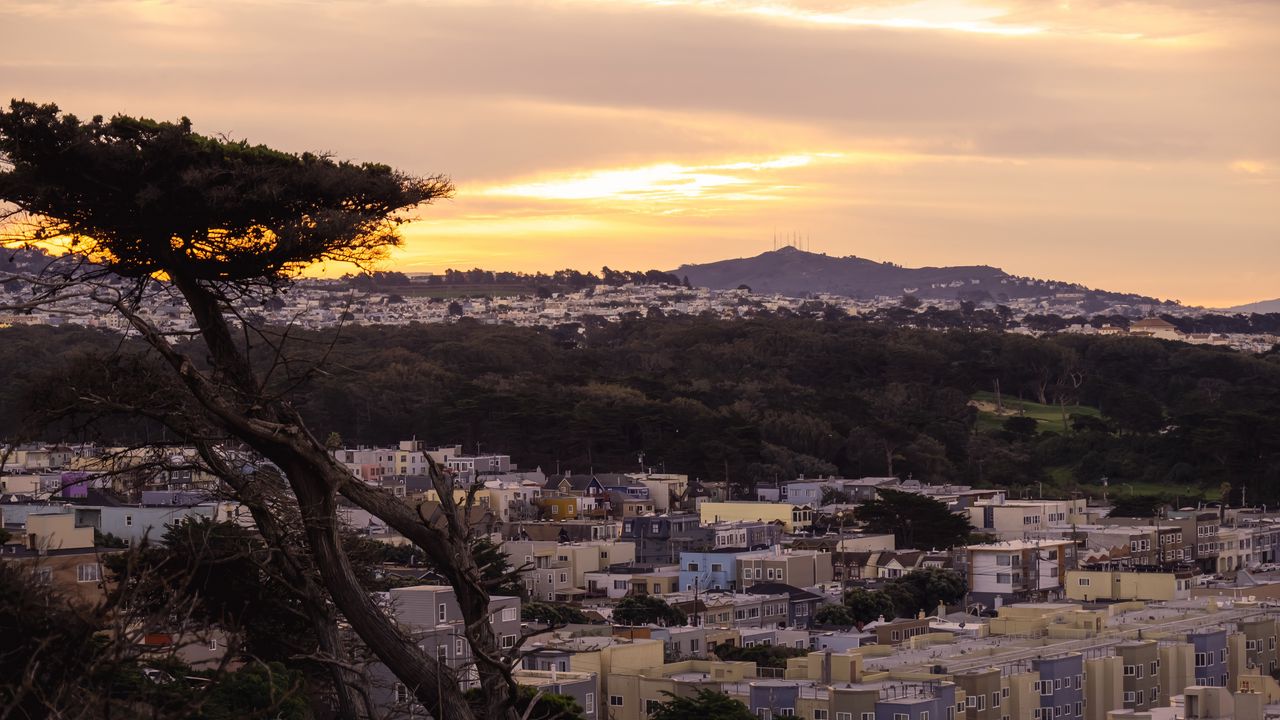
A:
x: 1056, y: 609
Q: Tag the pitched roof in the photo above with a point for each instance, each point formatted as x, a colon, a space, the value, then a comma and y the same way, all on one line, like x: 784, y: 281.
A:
x: 777, y: 588
x: 1152, y: 323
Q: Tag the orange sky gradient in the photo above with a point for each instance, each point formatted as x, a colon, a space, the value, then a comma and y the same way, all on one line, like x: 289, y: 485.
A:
x: 1126, y: 145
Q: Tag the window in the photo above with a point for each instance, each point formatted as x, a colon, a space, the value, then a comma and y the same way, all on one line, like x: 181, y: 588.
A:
x: 90, y: 572
x: 442, y: 612
x: 442, y: 653
x: 1002, y: 560
x: 508, y: 642
x: 1155, y: 664
x: 615, y: 701
x: 1154, y: 693
x: 1202, y: 659
x: 849, y: 716
x: 819, y: 714
x: 128, y: 520
x: 1128, y: 696
x: 1084, y: 582
x: 1079, y: 708
x: 589, y: 703
x: 901, y: 716
x: 693, y: 567
x: 564, y: 577
x: 995, y: 699
x: 402, y: 693
x: 1002, y: 578
x: 458, y: 647
x: 1004, y: 692
x: 717, y: 567
x: 651, y: 706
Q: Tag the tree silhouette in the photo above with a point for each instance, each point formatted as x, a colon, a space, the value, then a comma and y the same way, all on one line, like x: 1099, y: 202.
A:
x: 145, y: 210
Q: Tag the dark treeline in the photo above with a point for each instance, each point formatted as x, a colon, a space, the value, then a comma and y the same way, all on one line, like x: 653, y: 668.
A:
x: 1249, y: 324
x: 768, y: 398
x: 560, y: 280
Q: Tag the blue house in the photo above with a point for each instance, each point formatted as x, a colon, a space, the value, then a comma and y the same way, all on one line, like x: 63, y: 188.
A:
x: 1210, y: 657
x: 709, y: 570
x: 1061, y: 686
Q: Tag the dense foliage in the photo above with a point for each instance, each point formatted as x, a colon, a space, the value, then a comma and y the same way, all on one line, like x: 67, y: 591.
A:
x: 60, y: 661
x: 916, y: 521
x: 646, y: 610
x: 864, y: 606
x: 549, y: 613
x: 771, y: 656
x: 707, y: 705
x: 924, y: 590
x: 773, y: 398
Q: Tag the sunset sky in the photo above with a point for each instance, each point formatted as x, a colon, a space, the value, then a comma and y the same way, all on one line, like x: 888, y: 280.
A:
x: 1129, y: 146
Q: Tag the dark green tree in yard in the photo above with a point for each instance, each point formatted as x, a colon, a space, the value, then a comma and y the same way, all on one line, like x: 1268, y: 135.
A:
x: 146, y: 210
x: 257, y: 691
x: 225, y: 573
x: 549, y: 613
x: 868, y: 605
x: 836, y: 614
x: 924, y: 589
x: 1136, y: 506
x: 546, y: 706
x: 770, y: 656
x: 645, y: 610
x: 67, y: 659
x: 706, y: 705
x: 916, y: 521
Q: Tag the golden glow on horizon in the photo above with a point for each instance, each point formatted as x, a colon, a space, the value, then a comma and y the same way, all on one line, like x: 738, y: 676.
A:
x: 1249, y: 167
x: 664, y: 182
x: 1124, y: 145
x: 923, y: 15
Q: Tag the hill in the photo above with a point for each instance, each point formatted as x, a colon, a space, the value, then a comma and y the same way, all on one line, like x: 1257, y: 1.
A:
x: 1261, y: 307
x: 795, y: 272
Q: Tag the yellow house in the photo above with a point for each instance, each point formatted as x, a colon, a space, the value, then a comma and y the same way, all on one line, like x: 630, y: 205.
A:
x: 792, y: 517
x: 1092, y: 585
x: 1062, y: 620
x: 826, y: 667
x: 558, y: 508
x: 631, y: 695
x: 56, y: 531
x: 609, y: 657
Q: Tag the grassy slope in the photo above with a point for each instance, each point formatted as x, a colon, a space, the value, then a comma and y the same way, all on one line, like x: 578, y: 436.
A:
x: 1048, y: 417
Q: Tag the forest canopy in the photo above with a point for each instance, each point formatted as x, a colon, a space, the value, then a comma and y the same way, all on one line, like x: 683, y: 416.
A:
x: 776, y: 398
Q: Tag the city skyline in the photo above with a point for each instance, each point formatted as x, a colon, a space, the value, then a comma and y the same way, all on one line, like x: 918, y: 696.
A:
x: 1126, y: 147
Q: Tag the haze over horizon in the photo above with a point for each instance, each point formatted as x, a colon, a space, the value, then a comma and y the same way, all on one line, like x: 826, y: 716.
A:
x: 1128, y: 146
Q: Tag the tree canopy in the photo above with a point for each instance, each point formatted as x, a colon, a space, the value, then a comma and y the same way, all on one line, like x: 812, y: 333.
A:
x: 706, y: 704
x: 924, y: 589
x: 146, y: 208
x: 145, y: 197
x: 645, y: 610
x: 866, y: 606
x: 916, y: 521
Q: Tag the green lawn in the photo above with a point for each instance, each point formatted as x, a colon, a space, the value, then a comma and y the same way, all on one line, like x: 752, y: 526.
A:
x: 1048, y: 417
